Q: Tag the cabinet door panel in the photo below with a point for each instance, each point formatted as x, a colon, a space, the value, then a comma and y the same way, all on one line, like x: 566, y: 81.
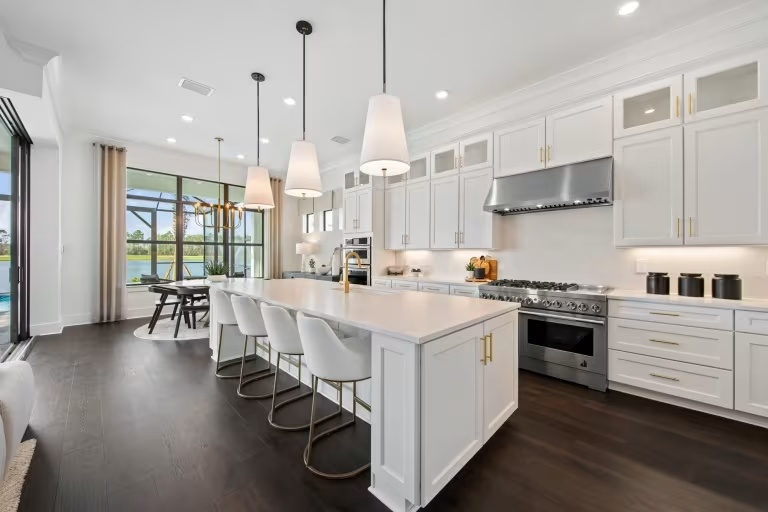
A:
x: 500, y: 387
x: 476, y: 225
x: 350, y: 180
x: 648, y: 107
x: 417, y: 229
x: 520, y: 148
x: 648, y: 189
x: 419, y: 168
x: 395, y: 215
x: 365, y: 210
x: 751, y: 377
x: 350, y: 212
x: 580, y: 134
x: 726, y: 180
x: 476, y: 153
x: 452, y: 393
x: 445, y: 161
x: 445, y: 216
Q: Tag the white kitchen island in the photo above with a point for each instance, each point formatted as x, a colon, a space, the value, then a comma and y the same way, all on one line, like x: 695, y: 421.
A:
x: 444, y: 376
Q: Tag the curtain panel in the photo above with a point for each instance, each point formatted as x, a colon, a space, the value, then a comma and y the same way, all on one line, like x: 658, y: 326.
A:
x: 275, y: 222
x: 112, y: 245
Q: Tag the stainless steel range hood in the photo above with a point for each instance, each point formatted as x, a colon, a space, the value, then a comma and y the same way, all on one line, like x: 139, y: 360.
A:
x: 570, y: 186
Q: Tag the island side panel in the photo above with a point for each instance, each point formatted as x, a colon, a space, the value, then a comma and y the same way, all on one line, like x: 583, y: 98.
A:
x: 395, y: 423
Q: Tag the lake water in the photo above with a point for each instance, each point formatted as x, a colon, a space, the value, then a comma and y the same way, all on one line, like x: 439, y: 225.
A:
x: 136, y: 268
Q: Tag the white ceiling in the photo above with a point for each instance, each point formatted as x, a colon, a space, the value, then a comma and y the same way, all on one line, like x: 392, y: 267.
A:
x: 121, y: 62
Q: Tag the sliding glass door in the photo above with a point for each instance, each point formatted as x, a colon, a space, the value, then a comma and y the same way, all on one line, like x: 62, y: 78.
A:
x: 6, y: 229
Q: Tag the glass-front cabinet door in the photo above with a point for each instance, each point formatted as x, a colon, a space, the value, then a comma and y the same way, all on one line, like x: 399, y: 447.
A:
x: 727, y: 87
x: 445, y: 161
x: 648, y: 107
x: 396, y: 179
x: 419, y: 168
x: 350, y: 180
x: 363, y: 180
x: 476, y: 153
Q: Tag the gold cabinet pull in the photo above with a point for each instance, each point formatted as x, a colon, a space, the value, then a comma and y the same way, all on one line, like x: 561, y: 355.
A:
x: 690, y: 104
x: 678, y: 227
x: 541, y: 154
x: 660, y: 376
x: 455, y: 162
x: 677, y: 106
x: 664, y: 342
x: 484, y: 360
x: 549, y: 153
x: 490, y: 353
x: 690, y: 227
x: 664, y: 314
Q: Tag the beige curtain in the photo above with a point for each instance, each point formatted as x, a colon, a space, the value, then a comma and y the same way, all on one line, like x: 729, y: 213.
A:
x: 112, y: 176
x: 275, y: 221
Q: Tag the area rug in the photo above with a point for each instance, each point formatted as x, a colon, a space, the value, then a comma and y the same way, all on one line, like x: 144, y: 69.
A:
x: 10, y: 489
x: 164, y: 331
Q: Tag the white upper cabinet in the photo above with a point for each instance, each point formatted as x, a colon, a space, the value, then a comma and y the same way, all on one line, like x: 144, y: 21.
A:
x: 580, y: 134
x: 396, y: 180
x: 417, y: 215
x: 354, y: 180
x: 727, y: 87
x: 475, y: 224
x: 520, y: 148
x: 445, y: 161
x: 365, y: 210
x: 420, y: 165
x: 394, y: 218
x: 648, y: 189
x: 444, y: 195
x: 726, y: 180
x: 476, y: 153
x: 649, y: 107
x: 350, y: 213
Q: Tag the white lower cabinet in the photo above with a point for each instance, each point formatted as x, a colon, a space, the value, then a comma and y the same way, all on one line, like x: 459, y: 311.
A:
x: 469, y: 380
x: 381, y: 283
x: 465, y: 291
x: 435, y: 288
x: 751, y: 373
x: 405, y: 285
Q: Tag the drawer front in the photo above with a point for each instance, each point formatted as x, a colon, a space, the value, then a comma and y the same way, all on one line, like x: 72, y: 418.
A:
x: 465, y: 291
x: 700, y: 383
x: 405, y: 285
x: 435, y: 288
x: 709, y: 347
x: 752, y: 321
x: 692, y: 316
x: 382, y: 283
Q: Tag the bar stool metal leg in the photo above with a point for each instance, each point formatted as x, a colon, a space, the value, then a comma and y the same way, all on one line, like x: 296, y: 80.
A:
x: 313, y: 438
x: 220, y: 366
x: 259, y: 374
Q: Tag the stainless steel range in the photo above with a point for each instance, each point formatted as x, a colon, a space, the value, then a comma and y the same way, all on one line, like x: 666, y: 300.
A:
x: 562, y: 328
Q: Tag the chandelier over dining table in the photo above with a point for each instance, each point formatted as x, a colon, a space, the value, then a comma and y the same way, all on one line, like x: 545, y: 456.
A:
x: 222, y: 215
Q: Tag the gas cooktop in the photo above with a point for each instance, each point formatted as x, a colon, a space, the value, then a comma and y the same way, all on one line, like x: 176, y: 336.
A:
x: 549, y: 295
x: 534, y: 285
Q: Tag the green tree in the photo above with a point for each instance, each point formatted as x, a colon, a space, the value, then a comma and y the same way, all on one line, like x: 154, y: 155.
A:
x: 136, y: 235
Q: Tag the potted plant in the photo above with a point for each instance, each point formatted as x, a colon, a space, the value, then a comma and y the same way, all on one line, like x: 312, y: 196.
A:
x: 216, y: 271
x: 470, y: 267
x: 311, y: 265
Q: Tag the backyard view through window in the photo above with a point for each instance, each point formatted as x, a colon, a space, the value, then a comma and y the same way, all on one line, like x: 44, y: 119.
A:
x: 164, y: 238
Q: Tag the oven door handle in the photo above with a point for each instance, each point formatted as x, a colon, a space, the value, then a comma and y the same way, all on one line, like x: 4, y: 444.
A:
x: 562, y: 317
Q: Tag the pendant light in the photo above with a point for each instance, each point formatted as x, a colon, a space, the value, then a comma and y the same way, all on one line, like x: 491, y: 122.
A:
x: 385, y: 151
x: 222, y: 215
x: 303, y: 179
x: 258, y: 190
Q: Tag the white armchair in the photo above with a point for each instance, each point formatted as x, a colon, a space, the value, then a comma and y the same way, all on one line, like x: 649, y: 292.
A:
x: 17, y: 396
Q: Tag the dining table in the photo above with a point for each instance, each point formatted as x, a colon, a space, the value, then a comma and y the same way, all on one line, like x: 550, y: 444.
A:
x: 171, y: 289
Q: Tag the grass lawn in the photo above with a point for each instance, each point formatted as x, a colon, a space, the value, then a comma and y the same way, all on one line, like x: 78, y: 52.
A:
x: 5, y: 257
x: 147, y: 257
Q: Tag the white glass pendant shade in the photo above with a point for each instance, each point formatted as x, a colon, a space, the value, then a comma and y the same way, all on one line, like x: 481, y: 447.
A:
x: 258, y: 190
x: 385, y: 151
x: 303, y: 178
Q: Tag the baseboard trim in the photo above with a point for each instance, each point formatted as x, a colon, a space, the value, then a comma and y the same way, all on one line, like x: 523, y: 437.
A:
x: 46, y: 329
x: 141, y: 313
x: 68, y: 320
x: 689, y: 404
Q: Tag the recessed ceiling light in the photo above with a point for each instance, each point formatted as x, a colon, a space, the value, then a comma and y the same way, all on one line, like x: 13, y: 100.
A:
x: 240, y: 156
x: 170, y: 140
x: 289, y: 101
x: 264, y: 140
x: 628, y: 8
x: 441, y: 94
x: 187, y: 118
x: 650, y: 111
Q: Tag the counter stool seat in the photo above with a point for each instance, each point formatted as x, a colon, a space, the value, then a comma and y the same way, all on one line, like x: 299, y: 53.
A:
x: 251, y: 324
x: 225, y: 315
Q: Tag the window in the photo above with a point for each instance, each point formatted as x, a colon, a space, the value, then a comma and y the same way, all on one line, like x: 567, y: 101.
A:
x: 165, y: 239
x: 308, y: 223
x: 328, y: 220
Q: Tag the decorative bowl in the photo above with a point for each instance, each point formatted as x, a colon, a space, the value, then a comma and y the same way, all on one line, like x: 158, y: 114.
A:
x: 217, y: 279
x: 324, y: 271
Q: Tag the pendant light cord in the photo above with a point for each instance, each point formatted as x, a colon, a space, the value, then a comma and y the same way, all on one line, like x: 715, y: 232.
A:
x: 304, y: 87
x: 384, y: 45
x: 258, y: 125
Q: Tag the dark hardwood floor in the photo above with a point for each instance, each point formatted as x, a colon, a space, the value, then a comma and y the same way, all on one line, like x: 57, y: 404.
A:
x: 130, y: 425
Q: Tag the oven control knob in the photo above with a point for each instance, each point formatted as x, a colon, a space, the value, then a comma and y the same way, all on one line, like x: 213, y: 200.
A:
x: 557, y: 304
x: 546, y: 303
x: 595, y: 308
x: 535, y: 300
x: 571, y: 306
x: 528, y: 301
x: 583, y: 307
x: 509, y: 299
x: 499, y: 297
x: 519, y: 299
x: 484, y: 296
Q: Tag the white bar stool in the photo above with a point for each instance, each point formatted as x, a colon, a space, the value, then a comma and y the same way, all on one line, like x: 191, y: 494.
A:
x: 225, y: 315
x: 339, y: 361
x: 284, y: 337
x: 251, y: 324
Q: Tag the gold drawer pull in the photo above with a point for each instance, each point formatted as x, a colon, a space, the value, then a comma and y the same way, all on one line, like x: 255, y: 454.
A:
x: 484, y: 360
x: 490, y: 354
x: 659, y: 376
x: 664, y: 314
x: 677, y: 106
x: 665, y: 342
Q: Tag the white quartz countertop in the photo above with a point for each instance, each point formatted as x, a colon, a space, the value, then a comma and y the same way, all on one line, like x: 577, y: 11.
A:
x: 431, y: 279
x: 407, y: 315
x: 744, y: 304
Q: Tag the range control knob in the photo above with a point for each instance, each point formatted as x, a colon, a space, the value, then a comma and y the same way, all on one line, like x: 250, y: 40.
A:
x: 485, y: 296
x: 509, y: 299
x: 528, y: 301
x: 535, y: 300
x: 571, y: 306
x: 519, y: 299
x: 583, y: 307
x: 546, y: 303
x: 595, y: 308
x: 557, y: 304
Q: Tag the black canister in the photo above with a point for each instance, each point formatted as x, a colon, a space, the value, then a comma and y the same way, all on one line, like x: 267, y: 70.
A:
x: 690, y: 285
x: 480, y: 273
x: 657, y: 283
x: 726, y: 286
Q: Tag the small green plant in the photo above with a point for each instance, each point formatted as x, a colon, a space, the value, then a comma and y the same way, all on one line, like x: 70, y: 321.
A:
x: 213, y: 268
x: 470, y: 267
x: 311, y: 263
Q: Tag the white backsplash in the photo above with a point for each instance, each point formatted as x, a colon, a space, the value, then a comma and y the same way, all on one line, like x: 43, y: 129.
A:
x: 577, y: 246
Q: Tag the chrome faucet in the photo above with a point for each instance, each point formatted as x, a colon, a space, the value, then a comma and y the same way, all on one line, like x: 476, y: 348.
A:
x: 346, y: 268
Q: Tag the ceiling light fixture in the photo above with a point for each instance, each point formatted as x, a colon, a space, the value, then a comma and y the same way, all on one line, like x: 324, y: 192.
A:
x: 385, y: 150
x: 441, y: 94
x: 628, y: 8
x: 264, y: 140
x: 303, y: 178
x: 222, y: 215
x: 258, y: 189
x: 650, y: 111
x: 240, y: 156
x: 289, y: 101
x: 187, y: 118
x: 170, y: 140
